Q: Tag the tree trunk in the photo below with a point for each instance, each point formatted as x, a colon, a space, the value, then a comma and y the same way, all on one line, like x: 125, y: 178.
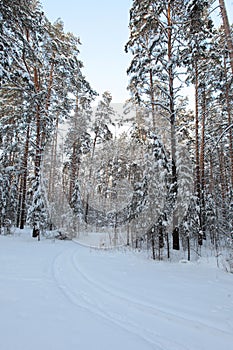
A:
x: 168, y: 245
x: 172, y: 108
x: 38, y: 127
x: 74, y: 158
x: 188, y: 246
x: 152, y: 99
x: 24, y: 180
x: 176, y: 242
x: 229, y: 113
x: 153, y: 245
x: 171, y: 97
x: 90, y: 175
x: 202, y: 165
x: 47, y: 102
x: 197, y: 153
x: 197, y: 156
x: 227, y: 30
x: 19, y: 201
x: 223, y: 181
x: 53, y: 164
x: 50, y: 83
x: 73, y: 169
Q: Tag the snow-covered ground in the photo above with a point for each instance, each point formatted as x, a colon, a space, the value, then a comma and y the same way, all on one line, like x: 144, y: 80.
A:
x: 63, y: 296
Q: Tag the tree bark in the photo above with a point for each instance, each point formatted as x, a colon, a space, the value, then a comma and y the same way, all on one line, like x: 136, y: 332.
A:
x: 53, y: 162
x: 152, y: 99
x: 175, y: 235
x: 24, y: 180
x: 38, y: 126
x: 202, y: 165
x: 197, y: 156
x: 229, y: 113
x: 197, y: 150
x: 188, y: 246
x: 172, y: 107
x: 227, y: 30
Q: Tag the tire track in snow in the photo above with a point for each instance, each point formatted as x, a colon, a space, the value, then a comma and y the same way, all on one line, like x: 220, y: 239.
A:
x: 84, y: 299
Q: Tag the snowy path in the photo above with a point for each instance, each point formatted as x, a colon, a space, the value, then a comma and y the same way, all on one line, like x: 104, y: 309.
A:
x: 64, y: 296
x: 83, y: 293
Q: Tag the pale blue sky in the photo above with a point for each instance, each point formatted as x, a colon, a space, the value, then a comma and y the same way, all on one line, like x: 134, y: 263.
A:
x: 102, y: 26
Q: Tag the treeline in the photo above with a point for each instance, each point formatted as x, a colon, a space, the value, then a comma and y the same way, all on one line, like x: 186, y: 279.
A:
x: 168, y: 182
x: 176, y: 44
x: 40, y: 75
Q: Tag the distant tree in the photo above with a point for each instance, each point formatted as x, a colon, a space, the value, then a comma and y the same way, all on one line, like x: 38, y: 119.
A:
x: 102, y: 120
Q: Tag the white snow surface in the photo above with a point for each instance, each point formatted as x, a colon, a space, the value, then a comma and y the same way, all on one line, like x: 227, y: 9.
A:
x: 63, y: 296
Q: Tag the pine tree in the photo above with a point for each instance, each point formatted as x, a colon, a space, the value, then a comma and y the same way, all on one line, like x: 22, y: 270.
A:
x: 40, y: 73
x: 143, y: 37
x: 157, y: 24
x: 102, y: 133
x: 197, y: 56
x: 78, y: 140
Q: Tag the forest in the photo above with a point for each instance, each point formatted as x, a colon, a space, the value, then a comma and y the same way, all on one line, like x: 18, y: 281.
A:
x: 158, y: 176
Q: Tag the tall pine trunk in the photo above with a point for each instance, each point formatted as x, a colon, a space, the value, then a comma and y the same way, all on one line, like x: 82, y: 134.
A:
x: 22, y: 216
x: 172, y: 116
x: 202, y: 166
x: 152, y: 97
x: 197, y: 146
x: 227, y: 31
x: 74, y: 155
x: 229, y: 114
x: 53, y: 163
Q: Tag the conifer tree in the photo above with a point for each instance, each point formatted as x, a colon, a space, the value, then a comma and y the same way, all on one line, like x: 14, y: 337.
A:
x: 39, y: 73
x: 156, y: 24
x: 197, y: 57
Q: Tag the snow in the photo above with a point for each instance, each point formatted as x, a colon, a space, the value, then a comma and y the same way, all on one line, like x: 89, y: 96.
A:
x: 61, y: 295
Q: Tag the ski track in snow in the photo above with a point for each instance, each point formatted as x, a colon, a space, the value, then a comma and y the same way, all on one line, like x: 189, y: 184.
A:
x: 151, y: 309
x: 86, y: 296
x: 89, y: 299
x: 132, y: 315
